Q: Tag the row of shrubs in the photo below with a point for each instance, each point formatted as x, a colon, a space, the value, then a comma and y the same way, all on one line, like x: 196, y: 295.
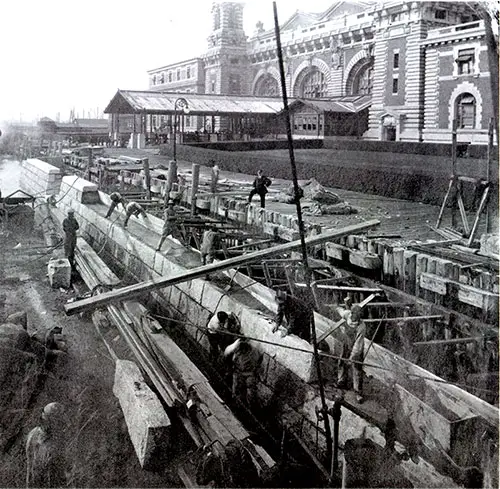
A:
x: 391, y: 179
x: 429, y: 149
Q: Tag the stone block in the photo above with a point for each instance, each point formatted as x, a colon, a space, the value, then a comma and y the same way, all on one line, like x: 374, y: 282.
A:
x: 148, y: 425
x: 59, y: 271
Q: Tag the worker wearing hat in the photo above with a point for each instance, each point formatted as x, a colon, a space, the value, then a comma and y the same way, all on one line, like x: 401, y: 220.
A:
x: 70, y: 227
x: 45, y: 449
x: 353, y: 339
x: 297, y: 313
x: 133, y: 208
x: 116, y: 198
x: 169, y: 225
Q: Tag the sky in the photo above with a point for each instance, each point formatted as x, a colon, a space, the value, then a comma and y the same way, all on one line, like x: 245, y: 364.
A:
x: 59, y: 55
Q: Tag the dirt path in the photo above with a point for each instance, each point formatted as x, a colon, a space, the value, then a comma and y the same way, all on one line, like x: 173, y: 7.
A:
x: 99, y: 453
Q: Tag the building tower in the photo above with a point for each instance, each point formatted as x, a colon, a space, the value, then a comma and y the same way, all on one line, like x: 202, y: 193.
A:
x: 226, y: 59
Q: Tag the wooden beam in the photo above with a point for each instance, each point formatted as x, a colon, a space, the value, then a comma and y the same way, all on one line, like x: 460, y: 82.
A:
x: 454, y: 341
x: 138, y: 289
x: 249, y: 245
x: 484, y: 200
x: 339, y: 323
x: 344, y: 288
x: 405, y: 319
x: 445, y: 201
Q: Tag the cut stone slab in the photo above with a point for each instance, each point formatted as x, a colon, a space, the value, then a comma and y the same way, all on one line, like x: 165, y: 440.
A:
x: 148, y: 425
x: 59, y: 271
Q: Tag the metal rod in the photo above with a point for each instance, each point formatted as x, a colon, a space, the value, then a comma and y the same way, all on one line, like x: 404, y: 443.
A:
x: 328, y: 432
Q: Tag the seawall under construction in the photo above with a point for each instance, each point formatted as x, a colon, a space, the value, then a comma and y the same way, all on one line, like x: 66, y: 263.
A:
x: 436, y: 416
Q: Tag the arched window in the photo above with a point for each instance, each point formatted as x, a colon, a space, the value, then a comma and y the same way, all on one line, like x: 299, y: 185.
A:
x: 267, y: 86
x: 216, y: 17
x: 314, y: 85
x: 360, y: 81
x: 231, y: 18
x: 466, y: 111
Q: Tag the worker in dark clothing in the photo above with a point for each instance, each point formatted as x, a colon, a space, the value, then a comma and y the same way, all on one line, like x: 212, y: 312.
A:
x: 217, y: 326
x: 70, y: 227
x: 133, y: 208
x: 260, y: 185
x: 246, y: 361
x: 170, y: 227
x: 298, y: 313
x: 116, y: 199
x: 45, y: 449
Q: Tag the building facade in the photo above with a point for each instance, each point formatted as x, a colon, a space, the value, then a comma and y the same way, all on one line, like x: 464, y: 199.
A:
x: 423, y: 64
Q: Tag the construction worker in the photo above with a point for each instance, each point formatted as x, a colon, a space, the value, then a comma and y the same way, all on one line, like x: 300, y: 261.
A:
x: 133, y: 208
x: 246, y: 360
x: 116, y: 199
x: 353, y: 338
x: 260, y: 185
x: 45, y: 449
x: 217, y: 325
x: 298, y: 313
x: 70, y: 227
x: 169, y: 224
x: 214, y: 177
x: 209, y: 244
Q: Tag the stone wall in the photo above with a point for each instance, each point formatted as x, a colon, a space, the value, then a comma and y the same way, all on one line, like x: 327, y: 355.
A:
x: 286, y: 374
x: 39, y: 178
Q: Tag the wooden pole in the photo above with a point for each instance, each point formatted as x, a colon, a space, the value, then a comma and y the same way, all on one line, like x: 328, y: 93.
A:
x: 194, y: 186
x: 489, y: 162
x: 324, y: 407
x: 153, y: 284
x: 454, y: 341
x: 147, y: 177
x: 171, y: 177
x: 454, y: 171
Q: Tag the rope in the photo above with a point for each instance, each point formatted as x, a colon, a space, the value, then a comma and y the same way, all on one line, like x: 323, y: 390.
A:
x: 328, y: 355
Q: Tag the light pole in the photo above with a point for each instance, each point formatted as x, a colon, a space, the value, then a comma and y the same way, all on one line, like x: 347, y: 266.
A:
x: 180, y: 103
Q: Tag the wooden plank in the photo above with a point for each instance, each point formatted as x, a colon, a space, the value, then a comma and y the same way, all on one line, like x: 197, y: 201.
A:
x: 337, y: 325
x: 398, y: 254
x: 186, y: 375
x: 482, y: 204
x: 463, y: 214
x: 404, y: 319
x: 443, y: 206
x: 434, y: 283
x: 454, y: 341
x: 85, y: 255
x: 137, y: 289
x: 410, y: 266
x: 342, y: 288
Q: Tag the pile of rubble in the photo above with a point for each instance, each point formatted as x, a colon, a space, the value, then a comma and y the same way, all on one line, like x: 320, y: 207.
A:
x: 317, y: 200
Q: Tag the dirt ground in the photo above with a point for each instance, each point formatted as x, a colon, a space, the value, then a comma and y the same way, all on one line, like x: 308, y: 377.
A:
x: 99, y: 451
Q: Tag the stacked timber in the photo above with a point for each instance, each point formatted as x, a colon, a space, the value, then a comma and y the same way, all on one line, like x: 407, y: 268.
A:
x: 180, y: 384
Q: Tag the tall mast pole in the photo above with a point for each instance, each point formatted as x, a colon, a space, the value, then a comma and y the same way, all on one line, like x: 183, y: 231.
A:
x: 324, y: 406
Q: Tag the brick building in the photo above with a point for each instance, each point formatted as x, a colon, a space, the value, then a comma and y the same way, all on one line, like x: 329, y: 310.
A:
x: 421, y: 64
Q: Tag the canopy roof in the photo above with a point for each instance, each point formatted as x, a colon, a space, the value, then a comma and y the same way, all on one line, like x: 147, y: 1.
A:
x: 145, y: 102
x: 153, y: 102
x: 348, y: 104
